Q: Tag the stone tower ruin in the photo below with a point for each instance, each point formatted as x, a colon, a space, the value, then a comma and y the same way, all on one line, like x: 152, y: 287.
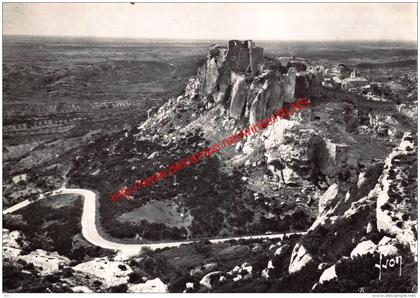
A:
x: 245, y: 56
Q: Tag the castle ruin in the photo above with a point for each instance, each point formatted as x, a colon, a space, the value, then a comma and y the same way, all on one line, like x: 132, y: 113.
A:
x: 245, y: 56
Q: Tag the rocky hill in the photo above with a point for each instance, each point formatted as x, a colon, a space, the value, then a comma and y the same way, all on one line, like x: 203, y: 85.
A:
x: 338, y: 158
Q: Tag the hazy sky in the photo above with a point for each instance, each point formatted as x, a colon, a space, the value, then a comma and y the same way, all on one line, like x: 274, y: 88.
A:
x: 269, y: 21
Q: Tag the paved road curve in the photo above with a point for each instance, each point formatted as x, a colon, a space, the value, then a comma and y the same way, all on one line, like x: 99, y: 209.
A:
x: 91, y: 234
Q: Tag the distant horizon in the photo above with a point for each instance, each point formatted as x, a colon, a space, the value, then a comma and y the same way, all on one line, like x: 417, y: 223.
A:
x: 125, y: 38
x: 280, y: 21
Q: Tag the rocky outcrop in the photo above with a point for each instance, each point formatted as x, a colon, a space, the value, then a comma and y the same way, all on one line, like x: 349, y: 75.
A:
x: 272, y: 90
x: 345, y: 212
x: 396, y: 194
x: 328, y: 199
x: 47, y: 262
x: 363, y: 248
x: 334, y: 234
x: 209, y: 279
x: 307, y: 153
x: 409, y: 110
x: 258, y: 106
x: 238, y: 96
x: 217, y: 73
x: 111, y: 272
x: 388, y: 247
x: 204, y: 269
x: 353, y: 217
x: 328, y: 274
x: 300, y: 258
x: 290, y: 145
x: 238, y: 77
x: 150, y: 286
x: 11, y: 246
x: 386, y: 125
x: 289, y: 86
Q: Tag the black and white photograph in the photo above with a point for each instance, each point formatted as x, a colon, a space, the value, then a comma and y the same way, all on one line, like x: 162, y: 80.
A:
x: 210, y: 147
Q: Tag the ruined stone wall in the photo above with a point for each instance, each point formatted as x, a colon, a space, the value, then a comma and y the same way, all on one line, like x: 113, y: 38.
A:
x: 244, y: 56
x: 274, y: 92
x: 243, y: 60
x: 359, y: 100
x: 307, y: 84
x: 256, y: 58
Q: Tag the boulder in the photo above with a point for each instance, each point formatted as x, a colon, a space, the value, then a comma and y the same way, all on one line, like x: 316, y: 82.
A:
x: 10, y: 239
x: 209, y: 279
x: 150, y: 286
x: 81, y: 289
x: 363, y: 248
x: 48, y: 262
x: 329, y: 198
x: 387, y: 247
x: 189, y: 285
x: 282, y: 250
x: 300, y: 258
x: 107, y: 270
x: 237, y: 278
x: 328, y: 274
x: 202, y: 270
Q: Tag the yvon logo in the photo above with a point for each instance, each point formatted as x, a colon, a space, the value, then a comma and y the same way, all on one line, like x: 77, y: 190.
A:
x: 391, y: 263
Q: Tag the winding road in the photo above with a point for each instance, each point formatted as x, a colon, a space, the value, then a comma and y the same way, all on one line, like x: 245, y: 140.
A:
x: 91, y: 234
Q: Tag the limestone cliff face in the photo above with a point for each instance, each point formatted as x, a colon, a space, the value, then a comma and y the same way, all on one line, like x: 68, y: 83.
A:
x: 238, y: 96
x: 215, y: 74
x: 271, y: 90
